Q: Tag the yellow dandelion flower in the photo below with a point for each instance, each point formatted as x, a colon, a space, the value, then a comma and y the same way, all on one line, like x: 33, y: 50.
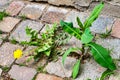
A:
x: 17, y: 54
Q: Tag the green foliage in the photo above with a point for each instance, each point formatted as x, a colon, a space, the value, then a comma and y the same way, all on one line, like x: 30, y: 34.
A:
x: 101, y: 55
x: 105, y: 74
x: 86, y: 36
x: 68, y: 27
x: 46, y: 43
x: 2, y: 15
x: 106, y: 34
x: 83, y: 33
x: 67, y: 52
x: 76, y: 69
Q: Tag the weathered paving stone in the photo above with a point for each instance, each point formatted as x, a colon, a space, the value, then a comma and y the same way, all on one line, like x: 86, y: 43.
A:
x: 33, y: 11
x: 115, y: 76
x: 61, y: 2
x: 0, y: 71
x: 101, y: 24
x: 22, y: 73
x: 54, y: 14
x: 90, y: 70
x: 116, y: 28
x: 41, y: 76
x: 4, y: 4
x: 6, y: 53
x: 111, y: 44
x: 2, y: 37
x: 20, y: 35
x: 71, y: 17
x: 57, y: 68
x: 115, y: 2
x: 15, y: 7
x: 8, y: 24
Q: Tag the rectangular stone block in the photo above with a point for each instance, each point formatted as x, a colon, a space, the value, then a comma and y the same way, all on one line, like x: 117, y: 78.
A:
x: 54, y: 14
x: 6, y: 53
x: 33, y: 11
x: 8, y: 24
x: 15, y: 7
x: 20, y: 34
x: 22, y: 73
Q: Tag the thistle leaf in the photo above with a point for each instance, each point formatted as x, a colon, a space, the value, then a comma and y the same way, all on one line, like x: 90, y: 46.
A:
x: 68, y: 27
x: 86, y: 36
x: 76, y: 69
x: 101, y: 56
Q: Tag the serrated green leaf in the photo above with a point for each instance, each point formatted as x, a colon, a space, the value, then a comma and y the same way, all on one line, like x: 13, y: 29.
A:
x: 102, y: 56
x: 67, y: 52
x: 47, y: 52
x: 76, y: 69
x: 45, y: 47
x: 86, y: 36
x: 68, y: 27
x: 80, y: 23
x: 105, y: 74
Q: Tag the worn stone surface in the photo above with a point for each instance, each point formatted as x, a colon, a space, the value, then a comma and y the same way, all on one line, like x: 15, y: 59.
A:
x: 71, y: 17
x: 41, y: 76
x: 54, y: 14
x: 90, y: 70
x: 75, y: 3
x: 57, y: 68
x: 4, y: 4
x: 61, y: 2
x: 15, y: 7
x: 2, y: 36
x: 115, y: 2
x: 6, y: 53
x: 0, y: 71
x: 116, y: 28
x: 8, y: 24
x: 115, y: 76
x: 20, y: 35
x: 22, y: 73
x: 33, y: 11
x: 102, y: 24
x: 111, y: 44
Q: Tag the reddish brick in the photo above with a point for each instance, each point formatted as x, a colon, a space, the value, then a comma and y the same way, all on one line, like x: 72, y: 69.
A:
x: 47, y: 77
x: 116, y: 29
x: 15, y: 7
x: 54, y: 14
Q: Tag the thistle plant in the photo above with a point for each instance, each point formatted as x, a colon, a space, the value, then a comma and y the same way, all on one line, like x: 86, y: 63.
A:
x: 101, y: 55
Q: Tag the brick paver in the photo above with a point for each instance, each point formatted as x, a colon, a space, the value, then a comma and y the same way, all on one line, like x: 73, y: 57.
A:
x: 15, y: 7
x: 41, y: 76
x: 54, y: 14
x: 22, y: 73
x: 33, y: 11
x: 116, y: 28
x: 2, y: 37
x: 6, y: 53
x: 20, y: 35
x: 8, y: 24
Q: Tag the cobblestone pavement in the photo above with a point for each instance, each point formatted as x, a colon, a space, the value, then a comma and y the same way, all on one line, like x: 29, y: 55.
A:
x: 38, y: 14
